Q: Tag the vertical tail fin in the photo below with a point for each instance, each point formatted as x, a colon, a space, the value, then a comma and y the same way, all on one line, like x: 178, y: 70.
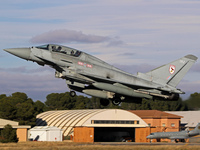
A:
x: 173, y: 72
x: 197, y: 127
x: 196, y: 130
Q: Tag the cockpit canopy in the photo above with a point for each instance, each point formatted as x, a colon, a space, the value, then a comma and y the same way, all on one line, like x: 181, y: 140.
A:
x: 60, y: 49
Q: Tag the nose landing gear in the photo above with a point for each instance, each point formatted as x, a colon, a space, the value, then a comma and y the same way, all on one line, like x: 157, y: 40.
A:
x: 72, y: 93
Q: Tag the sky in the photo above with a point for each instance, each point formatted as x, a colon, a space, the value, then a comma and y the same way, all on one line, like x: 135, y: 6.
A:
x: 133, y: 35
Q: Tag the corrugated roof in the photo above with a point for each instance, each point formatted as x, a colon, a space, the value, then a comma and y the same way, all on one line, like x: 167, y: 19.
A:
x: 154, y: 114
x: 68, y: 119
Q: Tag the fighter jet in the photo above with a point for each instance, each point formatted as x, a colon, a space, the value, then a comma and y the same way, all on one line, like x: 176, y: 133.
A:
x: 182, y: 135
x: 92, y: 76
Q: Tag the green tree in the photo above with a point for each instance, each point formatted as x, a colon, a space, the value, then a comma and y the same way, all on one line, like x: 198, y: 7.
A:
x: 93, y: 103
x: 25, y: 113
x: 8, y: 134
x: 2, y: 96
x: 7, y: 109
x: 22, y: 97
x: 63, y: 101
x: 193, y: 102
x: 53, y: 101
x: 19, y: 107
x: 39, y: 107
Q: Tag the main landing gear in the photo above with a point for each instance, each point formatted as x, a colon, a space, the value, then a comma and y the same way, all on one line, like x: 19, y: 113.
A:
x: 105, y: 102
x: 116, y: 101
x: 72, y: 93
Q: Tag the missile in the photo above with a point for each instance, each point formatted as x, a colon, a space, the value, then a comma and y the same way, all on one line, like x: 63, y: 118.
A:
x: 121, y: 89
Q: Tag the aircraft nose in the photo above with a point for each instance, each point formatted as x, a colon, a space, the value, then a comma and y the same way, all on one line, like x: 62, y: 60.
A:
x: 20, y: 52
x: 148, y: 137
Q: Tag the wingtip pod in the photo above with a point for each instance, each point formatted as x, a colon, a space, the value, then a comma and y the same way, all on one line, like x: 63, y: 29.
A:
x: 191, y: 57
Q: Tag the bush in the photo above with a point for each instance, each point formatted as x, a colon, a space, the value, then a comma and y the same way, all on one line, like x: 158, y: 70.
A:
x: 8, y: 134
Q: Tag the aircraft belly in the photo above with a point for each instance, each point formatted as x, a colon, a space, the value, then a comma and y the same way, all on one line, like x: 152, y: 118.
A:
x: 121, y: 90
x: 98, y: 93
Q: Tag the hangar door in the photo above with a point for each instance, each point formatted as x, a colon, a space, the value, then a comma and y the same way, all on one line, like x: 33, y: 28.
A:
x: 114, y: 134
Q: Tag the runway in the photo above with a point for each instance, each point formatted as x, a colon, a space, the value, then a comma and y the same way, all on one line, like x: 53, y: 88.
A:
x: 69, y: 145
x: 143, y: 144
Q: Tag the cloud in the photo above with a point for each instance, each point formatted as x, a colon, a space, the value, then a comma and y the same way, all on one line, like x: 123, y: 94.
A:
x: 127, y: 54
x: 36, y: 85
x: 25, y: 70
x: 189, y: 87
x: 70, y: 36
x: 154, y: 32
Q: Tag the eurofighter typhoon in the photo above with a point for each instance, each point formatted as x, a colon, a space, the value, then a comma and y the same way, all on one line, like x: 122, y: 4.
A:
x: 87, y: 74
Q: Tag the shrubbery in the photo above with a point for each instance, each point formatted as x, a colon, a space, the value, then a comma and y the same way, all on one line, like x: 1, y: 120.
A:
x: 8, y: 134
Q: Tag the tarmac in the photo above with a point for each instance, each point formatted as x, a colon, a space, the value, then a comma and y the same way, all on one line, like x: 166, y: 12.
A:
x: 134, y: 143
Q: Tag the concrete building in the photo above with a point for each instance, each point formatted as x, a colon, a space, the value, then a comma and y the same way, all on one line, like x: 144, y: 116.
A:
x: 159, y: 121
x: 21, y: 130
x: 163, y: 121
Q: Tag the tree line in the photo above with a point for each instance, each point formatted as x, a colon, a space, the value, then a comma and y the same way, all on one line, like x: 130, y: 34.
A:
x: 18, y: 107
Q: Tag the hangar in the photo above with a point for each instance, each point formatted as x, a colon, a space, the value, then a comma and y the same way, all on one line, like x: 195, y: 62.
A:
x: 94, y: 125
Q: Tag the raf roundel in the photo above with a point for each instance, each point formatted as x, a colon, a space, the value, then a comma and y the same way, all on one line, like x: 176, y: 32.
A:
x: 172, y: 69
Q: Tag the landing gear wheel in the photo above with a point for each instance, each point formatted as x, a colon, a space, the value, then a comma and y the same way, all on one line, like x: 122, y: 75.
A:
x: 72, y: 93
x: 116, y: 101
x: 104, y: 102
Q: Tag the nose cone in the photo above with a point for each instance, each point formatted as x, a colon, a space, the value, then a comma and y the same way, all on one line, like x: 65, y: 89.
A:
x: 148, y: 137
x: 20, y: 52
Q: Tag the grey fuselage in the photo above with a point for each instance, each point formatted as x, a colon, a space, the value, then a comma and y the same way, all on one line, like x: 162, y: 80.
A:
x: 90, y: 75
x: 169, y: 135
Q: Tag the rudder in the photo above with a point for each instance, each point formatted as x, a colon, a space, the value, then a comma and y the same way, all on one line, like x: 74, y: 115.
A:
x: 196, y: 130
x: 173, y: 72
